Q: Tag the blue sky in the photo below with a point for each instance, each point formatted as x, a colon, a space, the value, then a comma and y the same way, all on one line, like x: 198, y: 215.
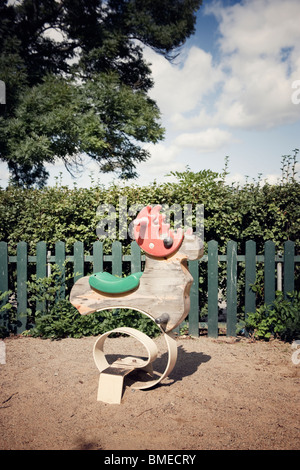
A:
x: 228, y: 93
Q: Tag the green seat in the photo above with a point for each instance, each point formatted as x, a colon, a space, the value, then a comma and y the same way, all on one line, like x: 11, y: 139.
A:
x: 105, y: 282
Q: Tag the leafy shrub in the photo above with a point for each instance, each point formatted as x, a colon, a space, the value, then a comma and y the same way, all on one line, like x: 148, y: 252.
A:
x: 64, y: 321
x: 281, y: 319
x: 7, y: 314
x: 46, y: 290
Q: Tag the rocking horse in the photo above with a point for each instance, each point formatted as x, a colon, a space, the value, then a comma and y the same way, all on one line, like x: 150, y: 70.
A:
x: 161, y: 291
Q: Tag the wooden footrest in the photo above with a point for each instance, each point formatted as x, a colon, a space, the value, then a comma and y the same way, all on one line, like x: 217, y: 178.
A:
x: 112, y: 375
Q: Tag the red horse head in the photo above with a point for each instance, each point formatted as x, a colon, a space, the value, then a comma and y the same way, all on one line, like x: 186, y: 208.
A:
x: 153, y: 235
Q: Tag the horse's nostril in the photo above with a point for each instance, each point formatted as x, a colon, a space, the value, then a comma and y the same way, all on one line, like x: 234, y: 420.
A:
x: 168, y: 242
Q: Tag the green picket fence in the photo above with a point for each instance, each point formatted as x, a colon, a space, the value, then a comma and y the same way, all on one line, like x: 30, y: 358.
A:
x: 212, y: 258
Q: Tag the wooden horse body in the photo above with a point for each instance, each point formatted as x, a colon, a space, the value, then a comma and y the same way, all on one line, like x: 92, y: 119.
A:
x: 162, y: 292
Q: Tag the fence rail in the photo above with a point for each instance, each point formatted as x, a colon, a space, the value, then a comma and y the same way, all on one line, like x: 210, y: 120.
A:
x: 135, y: 258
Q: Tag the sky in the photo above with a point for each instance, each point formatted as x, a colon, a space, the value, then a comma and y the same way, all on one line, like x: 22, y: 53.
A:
x: 234, y: 90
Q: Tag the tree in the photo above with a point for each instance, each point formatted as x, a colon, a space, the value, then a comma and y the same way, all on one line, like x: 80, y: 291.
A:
x: 86, y: 93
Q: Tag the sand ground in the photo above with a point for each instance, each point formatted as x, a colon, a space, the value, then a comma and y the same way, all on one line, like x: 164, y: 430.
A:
x: 225, y: 393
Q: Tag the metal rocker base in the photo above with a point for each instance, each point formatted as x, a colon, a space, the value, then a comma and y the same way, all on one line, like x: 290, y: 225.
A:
x: 112, y: 375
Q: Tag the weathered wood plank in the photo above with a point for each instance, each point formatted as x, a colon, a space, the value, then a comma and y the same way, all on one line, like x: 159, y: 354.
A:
x: 117, y: 258
x: 21, y: 287
x: 41, y: 269
x: 164, y: 289
x: 136, y: 263
x: 231, y: 288
x: 60, y: 258
x: 269, y: 271
x: 250, y: 277
x: 4, y: 318
x: 289, y: 273
x: 78, y: 260
x: 97, y: 257
x: 194, y: 299
x: 212, y: 280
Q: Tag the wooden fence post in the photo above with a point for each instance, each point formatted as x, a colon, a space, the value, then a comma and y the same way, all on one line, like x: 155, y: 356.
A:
x: 117, y: 258
x: 60, y: 258
x: 97, y: 256
x: 289, y: 272
x: 41, y: 269
x: 269, y: 272
x: 193, y: 317
x: 135, y: 261
x: 4, y: 320
x: 212, y: 281
x: 250, y: 277
x: 21, y: 286
x: 78, y: 261
x: 231, y: 288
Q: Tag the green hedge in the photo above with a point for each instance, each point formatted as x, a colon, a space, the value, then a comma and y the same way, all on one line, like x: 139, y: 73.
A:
x: 255, y: 210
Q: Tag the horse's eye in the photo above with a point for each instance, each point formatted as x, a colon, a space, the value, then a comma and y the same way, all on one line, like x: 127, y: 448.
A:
x: 168, y: 242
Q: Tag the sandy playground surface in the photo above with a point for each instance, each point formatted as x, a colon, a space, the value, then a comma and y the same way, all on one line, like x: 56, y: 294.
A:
x: 224, y: 393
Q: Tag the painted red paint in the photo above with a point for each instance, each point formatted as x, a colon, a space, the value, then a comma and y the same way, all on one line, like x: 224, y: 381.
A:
x: 153, y: 235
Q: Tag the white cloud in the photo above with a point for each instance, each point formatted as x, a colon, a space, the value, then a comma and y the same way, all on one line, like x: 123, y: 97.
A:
x: 251, y: 85
x: 55, y: 34
x: 166, y: 157
x: 260, y: 43
x: 257, y: 27
x: 236, y: 178
x: 163, y: 160
x: 272, y: 178
x: 180, y: 88
x: 162, y: 154
x: 206, y: 99
x: 4, y: 174
x: 204, y: 141
x: 175, y: 156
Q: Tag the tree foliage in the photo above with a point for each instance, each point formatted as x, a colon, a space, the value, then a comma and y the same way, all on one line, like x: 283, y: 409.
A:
x: 86, y: 93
